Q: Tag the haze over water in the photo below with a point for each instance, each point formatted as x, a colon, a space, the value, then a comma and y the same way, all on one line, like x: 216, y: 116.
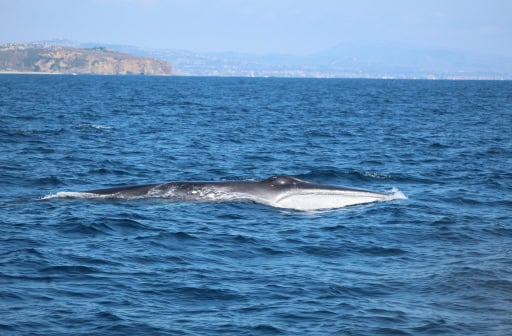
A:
x: 326, y: 38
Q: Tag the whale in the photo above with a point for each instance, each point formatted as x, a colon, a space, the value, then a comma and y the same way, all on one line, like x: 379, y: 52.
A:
x: 277, y: 191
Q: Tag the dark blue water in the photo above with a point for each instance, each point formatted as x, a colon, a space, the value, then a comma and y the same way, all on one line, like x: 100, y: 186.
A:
x: 437, y: 263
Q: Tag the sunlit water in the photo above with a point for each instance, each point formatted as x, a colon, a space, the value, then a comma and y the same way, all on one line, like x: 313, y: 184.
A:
x: 436, y: 263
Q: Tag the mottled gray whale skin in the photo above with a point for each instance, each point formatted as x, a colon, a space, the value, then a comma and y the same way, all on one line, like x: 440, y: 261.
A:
x: 278, y: 191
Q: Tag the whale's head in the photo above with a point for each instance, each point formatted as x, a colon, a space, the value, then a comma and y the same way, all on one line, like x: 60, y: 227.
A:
x: 293, y: 193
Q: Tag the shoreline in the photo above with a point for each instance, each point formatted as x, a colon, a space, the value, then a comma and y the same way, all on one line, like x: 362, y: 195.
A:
x: 73, y: 74
x: 290, y: 77
x: 31, y: 73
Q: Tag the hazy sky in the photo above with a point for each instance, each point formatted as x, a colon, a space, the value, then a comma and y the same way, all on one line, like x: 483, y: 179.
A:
x: 264, y: 26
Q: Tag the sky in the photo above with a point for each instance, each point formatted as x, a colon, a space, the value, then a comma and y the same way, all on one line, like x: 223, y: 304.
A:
x: 296, y: 27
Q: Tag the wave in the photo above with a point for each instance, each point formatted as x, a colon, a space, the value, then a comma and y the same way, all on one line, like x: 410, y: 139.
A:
x: 49, y: 181
x: 68, y: 269
x: 10, y: 132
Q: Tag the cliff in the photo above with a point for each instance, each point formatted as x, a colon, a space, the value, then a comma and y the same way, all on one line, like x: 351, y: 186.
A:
x: 38, y: 58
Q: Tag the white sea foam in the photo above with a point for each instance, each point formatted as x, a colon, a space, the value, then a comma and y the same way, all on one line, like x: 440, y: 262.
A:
x: 95, y: 126
x: 396, y: 194
x: 71, y: 194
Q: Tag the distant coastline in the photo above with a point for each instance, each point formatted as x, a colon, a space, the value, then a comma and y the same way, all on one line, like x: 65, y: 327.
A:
x: 18, y: 58
x: 374, y: 62
x: 292, y: 77
x: 65, y: 73
x: 3, y: 72
x: 36, y: 73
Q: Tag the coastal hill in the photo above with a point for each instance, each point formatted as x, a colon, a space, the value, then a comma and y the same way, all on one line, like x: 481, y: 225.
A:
x: 43, y: 58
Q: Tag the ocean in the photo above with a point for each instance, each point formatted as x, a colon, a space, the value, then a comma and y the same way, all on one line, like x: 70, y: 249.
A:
x: 436, y: 263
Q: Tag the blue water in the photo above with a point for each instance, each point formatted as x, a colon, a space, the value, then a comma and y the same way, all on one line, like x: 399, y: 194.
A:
x: 437, y: 263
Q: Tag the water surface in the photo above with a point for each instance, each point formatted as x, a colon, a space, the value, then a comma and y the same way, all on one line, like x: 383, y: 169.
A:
x: 438, y: 263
